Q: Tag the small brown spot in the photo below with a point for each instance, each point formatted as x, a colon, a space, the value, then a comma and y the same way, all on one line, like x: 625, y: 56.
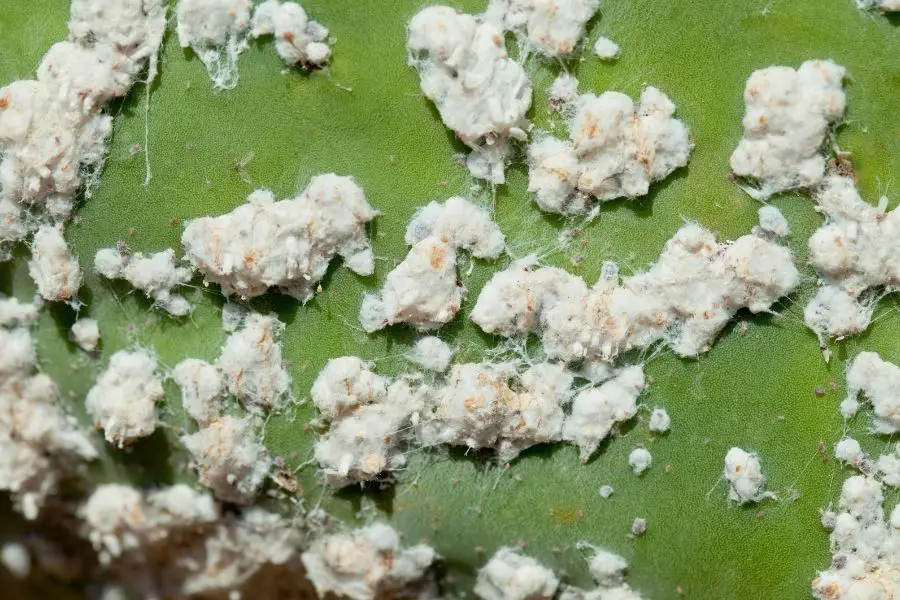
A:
x: 437, y: 257
x: 174, y: 221
x: 820, y: 391
x: 842, y: 166
x: 132, y: 232
x: 4, y: 101
x: 288, y: 37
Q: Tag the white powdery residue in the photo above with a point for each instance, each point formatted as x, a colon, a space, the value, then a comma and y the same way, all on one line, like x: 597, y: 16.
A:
x: 879, y: 382
x: 230, y: 459
x: 252, y: 365
x: 432, y: 353
x: 119, y: 518
x: 286, y: 244
x: 639, y: 526
x: 788, y: 113
x: 553, y: 28
x: 684, y: 299
x: 346, y: 383
x: 511, y: 575
x: 864, y: 546
x: 123, y: 400
x: 459, y: 223
x: 477, y: 407
x: 52, y: 130
x: 422, y: 291
x: 606, y: 567
x: 480, y: 93
x: 156, y: 275
x: 202, y: 385
x: 606, y: 49
x: 640, y: 460
x: 298, y: 39
x: 15, y: 559
x: 86, y: 334
x: 616, y: 150
x: 606, y: 491
x: 55, y: 271
x: 853, y: 252
x: 217, y: 31
x: 660, y: 422
x: 772, y: 221
x: 39, y: 443
x: 596, y: 411
x: 366, y: 564
x: 884, y: 6
x: 743, y: 473
x: 363, y: 444
x: 563, y: 90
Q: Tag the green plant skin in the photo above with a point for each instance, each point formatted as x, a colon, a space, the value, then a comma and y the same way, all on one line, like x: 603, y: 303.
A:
x: 755, y: 389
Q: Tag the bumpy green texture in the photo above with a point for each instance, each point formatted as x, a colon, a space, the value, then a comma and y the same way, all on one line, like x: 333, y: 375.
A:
x: 755, y: 389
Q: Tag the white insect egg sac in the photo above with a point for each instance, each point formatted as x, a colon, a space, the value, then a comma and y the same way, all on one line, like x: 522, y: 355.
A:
x: 853, y: 252
x: 286, y: 245
x: 616, y: 149
x: 788, y: 113
x: 480, y: 93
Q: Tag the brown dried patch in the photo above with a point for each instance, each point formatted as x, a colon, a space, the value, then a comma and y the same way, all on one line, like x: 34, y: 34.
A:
x: 841, y: 165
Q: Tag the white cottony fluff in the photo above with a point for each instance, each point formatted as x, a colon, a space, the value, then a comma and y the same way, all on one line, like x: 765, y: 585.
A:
x: 156, y: 275
x: 563, y: 90
x: 660, y: 421
x: 879, y: 382
x: 684, y: 299
x: 15, y: 559
x: 480, y: 93
x: 855, y: 250
x: 219, y: 554
x: 552, y: 27
x: 367, y: 564
x: 432, y: 353
x: 848, y: 450
x: 865, y: 546
x: 345, y: 384
x: 52, y: 130
x: 421, y: 291
x: 772, y: 220
x: 743, y: 473
x: 123, y: 400
x: 52, y: 267
x: 229, y: 459
x: 885, y: 6
x: 608, y: 570
x: 478, y: 408
x: 120, y: 518
x: 616, y: 150
x: 364, y: 443
x: 286, y: 244
x: 510, y: 575
x: 888, y: 467
x: 596, y: 411
x: 605, y: 48
x: 217, y: 31
x: 202, y: 385
x: 788, y: 113
x: 607, y: 567
x: 86, y: 333
x: 298, y: 40
x: 14, y: 312
x: 459, y: 223
x: 251, y: 363
x: 640, y: 460
x: 39, y: 442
